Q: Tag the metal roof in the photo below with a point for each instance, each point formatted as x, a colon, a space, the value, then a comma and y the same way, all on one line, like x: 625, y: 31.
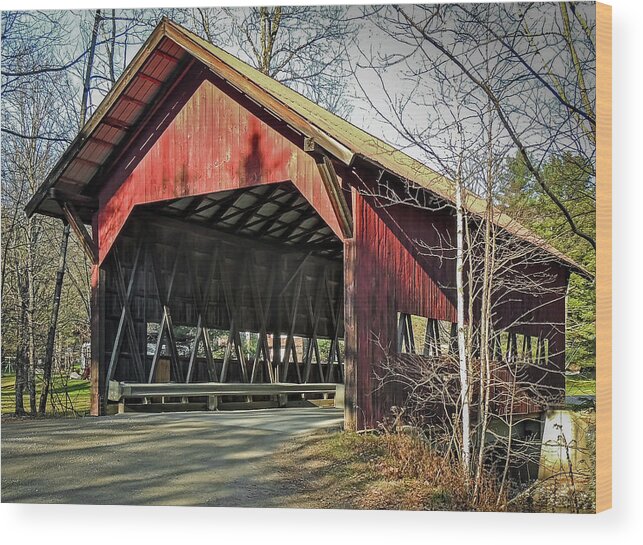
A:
x: 168, y: 52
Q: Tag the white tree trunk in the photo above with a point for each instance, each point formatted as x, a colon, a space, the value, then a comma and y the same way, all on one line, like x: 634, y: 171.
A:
x: 462, y: 349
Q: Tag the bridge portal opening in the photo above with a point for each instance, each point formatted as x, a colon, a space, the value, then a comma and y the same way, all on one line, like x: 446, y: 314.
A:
x: 235, y: 287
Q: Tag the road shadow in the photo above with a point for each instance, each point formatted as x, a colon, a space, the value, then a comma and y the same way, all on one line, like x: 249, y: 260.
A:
x: 206, y: 459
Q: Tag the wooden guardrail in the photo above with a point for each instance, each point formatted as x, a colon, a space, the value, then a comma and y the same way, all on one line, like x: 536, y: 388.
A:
x: 121, y: 391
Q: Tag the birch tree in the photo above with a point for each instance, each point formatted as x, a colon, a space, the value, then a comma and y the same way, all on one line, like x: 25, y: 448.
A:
x: 484, y: 73
x: 460, y: 305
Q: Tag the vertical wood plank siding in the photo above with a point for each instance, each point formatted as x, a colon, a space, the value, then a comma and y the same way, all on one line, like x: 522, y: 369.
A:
x: 404, y: 262
x: 206, y: 138
x: 391, y: 275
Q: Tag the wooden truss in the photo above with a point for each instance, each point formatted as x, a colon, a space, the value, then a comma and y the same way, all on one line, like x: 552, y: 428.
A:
x: 237, y: 288
x: 510, y: 347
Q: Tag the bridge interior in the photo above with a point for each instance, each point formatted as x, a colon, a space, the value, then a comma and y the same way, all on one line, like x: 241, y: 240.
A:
x: 240, y: 286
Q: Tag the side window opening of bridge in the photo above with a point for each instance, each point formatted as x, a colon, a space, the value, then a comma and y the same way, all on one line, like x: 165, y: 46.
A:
x: 429, y: 337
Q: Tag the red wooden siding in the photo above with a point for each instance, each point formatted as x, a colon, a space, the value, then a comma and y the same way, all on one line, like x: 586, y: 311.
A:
x: 202, y: 141
x: 391, y: 273
x: 207, y: 137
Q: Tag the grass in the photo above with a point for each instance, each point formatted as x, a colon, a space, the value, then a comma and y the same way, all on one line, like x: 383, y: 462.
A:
x: 370, y: 471
x: 343, y: 470
x: 580, y: 386
x: 70, y: 398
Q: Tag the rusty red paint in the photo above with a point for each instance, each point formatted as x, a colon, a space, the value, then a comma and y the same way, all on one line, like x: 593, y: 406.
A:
x: 212, y: 143
x: 393, y: 273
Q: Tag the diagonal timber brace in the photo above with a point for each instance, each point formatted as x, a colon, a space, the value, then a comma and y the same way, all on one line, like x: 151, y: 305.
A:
x: 333, y: 186
x: 86, y: 241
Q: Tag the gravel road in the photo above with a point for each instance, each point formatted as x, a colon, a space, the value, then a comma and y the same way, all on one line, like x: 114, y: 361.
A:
x: 197, y: 458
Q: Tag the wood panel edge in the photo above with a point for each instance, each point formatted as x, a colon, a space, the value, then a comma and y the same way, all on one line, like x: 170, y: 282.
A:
x: 604, y: 257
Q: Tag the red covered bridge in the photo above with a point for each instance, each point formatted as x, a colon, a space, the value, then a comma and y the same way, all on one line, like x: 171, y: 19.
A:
x: 224, y: 204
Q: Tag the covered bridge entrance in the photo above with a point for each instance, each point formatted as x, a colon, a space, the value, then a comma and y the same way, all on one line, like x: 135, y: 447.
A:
x: 242, y: 235
x: 240, y: 286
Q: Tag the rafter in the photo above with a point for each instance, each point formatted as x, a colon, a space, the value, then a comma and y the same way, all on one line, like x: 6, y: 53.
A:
x: 283, y: 207
x: 289, y: 238
x: 149, y: 78
x: 225, y: 204
x: 247, y: 213
x: 191, y: 208
x: 133, y: 100
x: 166, y: 56
x: 116, y: 124
x: 274, y: 218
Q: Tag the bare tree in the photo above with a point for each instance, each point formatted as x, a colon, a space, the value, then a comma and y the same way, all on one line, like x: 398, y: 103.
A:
x: 37, y: 84
x: 542, y: 86
x: 60, y: 275
x: 51, y: 334
x: 479, y: 90
x: 303, y: 47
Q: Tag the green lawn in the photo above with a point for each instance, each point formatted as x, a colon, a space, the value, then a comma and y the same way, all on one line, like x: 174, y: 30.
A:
x: 580, y: 386
x: 72, y: 398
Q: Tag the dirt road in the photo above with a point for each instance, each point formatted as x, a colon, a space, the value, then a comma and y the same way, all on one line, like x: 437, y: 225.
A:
x: 207, y: 459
